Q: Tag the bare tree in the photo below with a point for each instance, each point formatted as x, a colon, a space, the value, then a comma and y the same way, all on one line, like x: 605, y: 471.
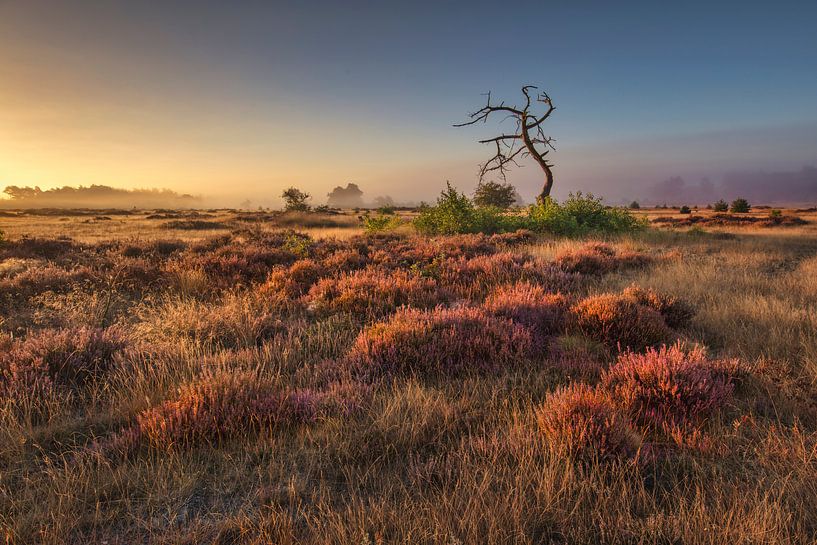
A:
x: 528, y: 140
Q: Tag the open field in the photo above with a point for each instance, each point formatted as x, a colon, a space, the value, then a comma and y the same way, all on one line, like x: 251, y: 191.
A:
x: 248, y: 384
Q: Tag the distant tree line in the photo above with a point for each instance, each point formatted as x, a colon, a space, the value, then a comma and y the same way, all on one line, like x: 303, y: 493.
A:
x: 94, y: 196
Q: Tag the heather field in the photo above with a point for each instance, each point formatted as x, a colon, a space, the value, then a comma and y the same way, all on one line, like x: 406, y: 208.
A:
x: 249, y: 377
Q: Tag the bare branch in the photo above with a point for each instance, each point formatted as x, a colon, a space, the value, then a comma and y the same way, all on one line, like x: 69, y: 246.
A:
x: 528, y: 130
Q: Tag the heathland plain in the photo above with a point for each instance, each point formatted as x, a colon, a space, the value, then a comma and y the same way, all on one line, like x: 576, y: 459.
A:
x: 247, y: 377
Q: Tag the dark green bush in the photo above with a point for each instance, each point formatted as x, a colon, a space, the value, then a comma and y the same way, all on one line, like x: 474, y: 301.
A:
x: 684, y: 210
x: 720, y: 206
x: 454, y: 214
x: 634, y: 205
x: 740, y: 206
x: 496, y: 195
x: 581, y: 214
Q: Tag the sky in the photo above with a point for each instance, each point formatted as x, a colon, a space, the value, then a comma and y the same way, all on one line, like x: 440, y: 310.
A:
x: 240, y: 99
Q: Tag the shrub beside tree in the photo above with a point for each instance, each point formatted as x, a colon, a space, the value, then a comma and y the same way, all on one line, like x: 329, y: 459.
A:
x: 455, y: 213
x: 495, y: 194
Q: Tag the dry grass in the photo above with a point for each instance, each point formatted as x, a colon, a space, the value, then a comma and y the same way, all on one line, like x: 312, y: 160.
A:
x: 468, y: 431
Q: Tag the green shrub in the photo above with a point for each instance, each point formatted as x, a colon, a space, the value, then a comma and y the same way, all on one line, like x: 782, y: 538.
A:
x: 720, y: 206
x: 380, y: 222
x: 581, y: 214
x: 387, y: 209
x: 454, y: 213
x: 493, y: 194
x: 740, y: 206
x: 774, y: 213
x: 684, y: 210
x: 634, y: 205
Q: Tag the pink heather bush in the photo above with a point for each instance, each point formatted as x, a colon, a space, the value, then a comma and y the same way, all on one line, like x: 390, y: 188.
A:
x: 295, y: 280
x: 36, y: 280
x: 529, y: 305
x: 598, y: 258
x: 372, y: 292
x: 344, y: 261
x: 236, y: 264
x: 619, y: 321
x: 581, y: 422
x: 676, y: 312
x: 669, y: 386
x: 226, y: 406
x: 476, y: 275
x: 438, y: 342
x: 67, y: 357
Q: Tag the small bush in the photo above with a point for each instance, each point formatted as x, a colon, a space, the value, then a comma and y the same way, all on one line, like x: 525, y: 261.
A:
x: 438, y: 342
x: 676, y: 312
x: 454, y: 213
x: 345, y: 261
x: 221, y: 407
x: 381, y: 222
x: 529, y: 305
x: 597, y: 258
x: 720, y: 206
x: 684, y: 210
x: 474, y: 276
x: 619, y: 321
x: 494, y: 194
x: 740, y: 206
x: 373, y: 293
x: 634, y: 205
x: 296, y: 279
x: 669, y: 386
x: 579, y: 215
x: 581, y: 422
x: 64, y: 358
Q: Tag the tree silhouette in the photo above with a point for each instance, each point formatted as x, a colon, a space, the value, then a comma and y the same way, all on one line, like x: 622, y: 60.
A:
x: 528, y: 140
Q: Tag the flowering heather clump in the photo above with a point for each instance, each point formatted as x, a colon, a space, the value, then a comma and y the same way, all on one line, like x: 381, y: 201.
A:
x: 438, y: 342
x: 529, y: 305
x: 480, y: 273
x: 599, y: 258
x: 676, y: 312
x: 238, y: 264
x: 295, y: 280
x: 669, y: 386
x: 152, y: 249
x: 345, y: 261
x: 581, y: 422
x: 620, y: 321
x: 221, y: 407
x: 66, y: 357
x: 372, y: 293
x: 42, y: 248
x: 520, y: 236
x: 37, y: 280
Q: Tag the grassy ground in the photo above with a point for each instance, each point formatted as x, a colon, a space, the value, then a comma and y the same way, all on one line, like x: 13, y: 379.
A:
x: 423, y: 454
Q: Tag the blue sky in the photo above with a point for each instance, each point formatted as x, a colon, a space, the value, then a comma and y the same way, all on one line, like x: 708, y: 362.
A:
x: 248, y: 97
